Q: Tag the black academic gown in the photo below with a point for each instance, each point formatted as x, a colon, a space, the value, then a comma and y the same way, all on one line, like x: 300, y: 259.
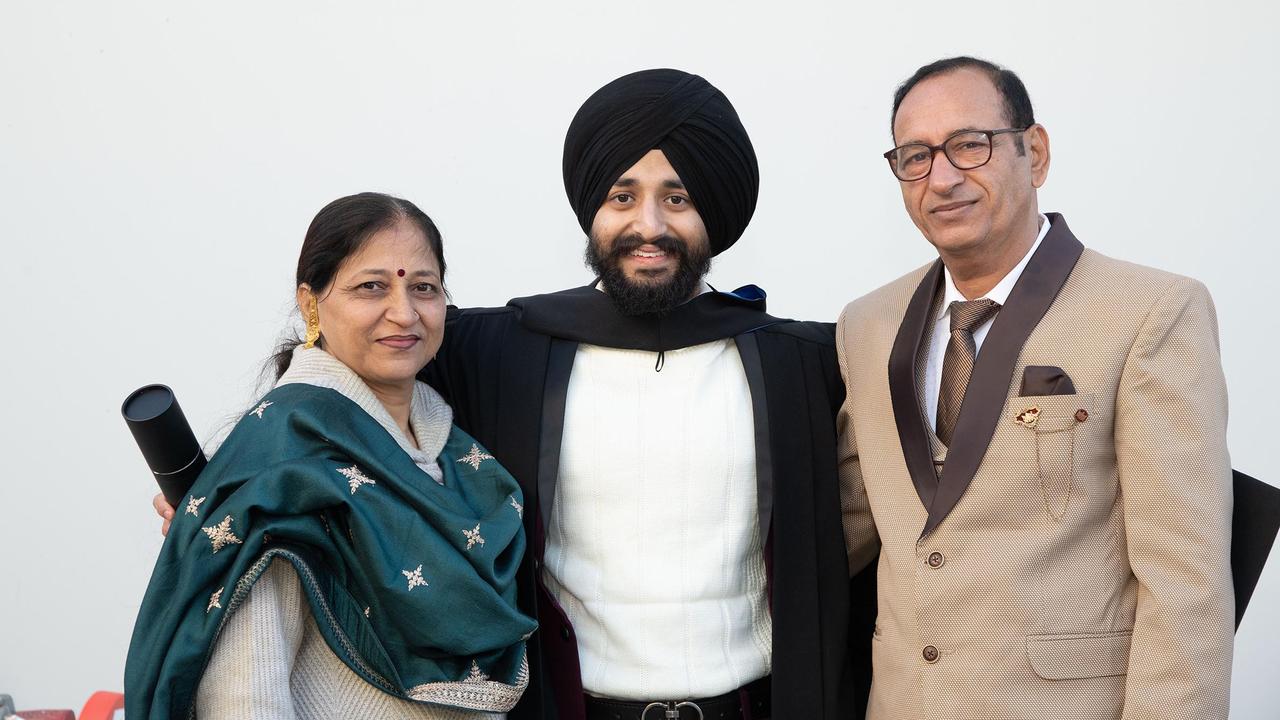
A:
x: 506, y: 370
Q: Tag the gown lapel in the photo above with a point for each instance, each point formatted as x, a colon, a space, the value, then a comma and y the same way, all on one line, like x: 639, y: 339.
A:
x: 749, y: 351
x: 555, y: 393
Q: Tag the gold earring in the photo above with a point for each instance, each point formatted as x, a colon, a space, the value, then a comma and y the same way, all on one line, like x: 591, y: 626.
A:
x: 313, y: 324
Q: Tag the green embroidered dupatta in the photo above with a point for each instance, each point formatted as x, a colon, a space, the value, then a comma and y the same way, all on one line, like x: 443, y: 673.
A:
x: 411, y: 583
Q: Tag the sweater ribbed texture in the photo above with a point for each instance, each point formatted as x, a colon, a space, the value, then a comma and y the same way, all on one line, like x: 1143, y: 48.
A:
x: 654, y: 548
x: 271, y: 662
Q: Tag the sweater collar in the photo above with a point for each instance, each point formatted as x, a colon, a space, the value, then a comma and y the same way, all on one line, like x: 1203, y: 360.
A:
x: 430, y: 417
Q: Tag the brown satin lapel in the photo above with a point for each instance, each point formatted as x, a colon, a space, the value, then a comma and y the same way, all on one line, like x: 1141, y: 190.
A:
x: 912, y: 431
x: 988, y: 390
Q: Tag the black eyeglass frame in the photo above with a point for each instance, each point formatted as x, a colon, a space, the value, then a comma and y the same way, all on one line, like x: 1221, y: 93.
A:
x: 933, y: 150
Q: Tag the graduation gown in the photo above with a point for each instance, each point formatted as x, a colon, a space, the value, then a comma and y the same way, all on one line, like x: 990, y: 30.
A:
x: 506, y: 371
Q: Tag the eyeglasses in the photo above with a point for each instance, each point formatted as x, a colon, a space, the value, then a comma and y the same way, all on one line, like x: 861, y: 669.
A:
x: 966, y: 150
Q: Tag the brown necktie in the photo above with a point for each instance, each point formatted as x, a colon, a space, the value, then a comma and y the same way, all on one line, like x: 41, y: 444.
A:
x: 957, y: 364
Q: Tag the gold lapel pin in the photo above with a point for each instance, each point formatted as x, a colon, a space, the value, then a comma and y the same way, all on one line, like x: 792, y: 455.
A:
x: 1028, y: 418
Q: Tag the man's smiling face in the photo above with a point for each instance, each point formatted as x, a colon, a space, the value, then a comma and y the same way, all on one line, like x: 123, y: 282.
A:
x: 963, y: 212
x: 648, y: 243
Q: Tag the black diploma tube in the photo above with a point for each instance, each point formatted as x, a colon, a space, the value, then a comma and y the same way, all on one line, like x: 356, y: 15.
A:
x: 165, y: 438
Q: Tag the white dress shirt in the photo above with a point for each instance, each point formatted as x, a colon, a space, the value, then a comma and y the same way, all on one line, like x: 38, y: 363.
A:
x: 942, y: 324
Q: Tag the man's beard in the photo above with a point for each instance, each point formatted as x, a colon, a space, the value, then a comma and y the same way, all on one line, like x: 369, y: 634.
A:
x: 648, y: 297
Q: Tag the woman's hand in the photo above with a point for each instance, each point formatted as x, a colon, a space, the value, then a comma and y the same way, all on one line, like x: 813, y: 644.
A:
x: 164, y: 510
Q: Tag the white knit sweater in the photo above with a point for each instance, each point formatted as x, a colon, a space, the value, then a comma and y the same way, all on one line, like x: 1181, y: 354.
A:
x: 654, y: 547
x: 270, y: 660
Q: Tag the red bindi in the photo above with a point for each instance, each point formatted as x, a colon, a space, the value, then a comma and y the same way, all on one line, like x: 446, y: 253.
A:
x: 400, y: 272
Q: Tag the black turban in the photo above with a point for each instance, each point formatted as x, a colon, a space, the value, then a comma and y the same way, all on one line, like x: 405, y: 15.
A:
x: 685, y: 117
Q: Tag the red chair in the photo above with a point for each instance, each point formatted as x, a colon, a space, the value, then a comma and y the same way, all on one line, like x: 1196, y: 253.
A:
x: 103, y: 705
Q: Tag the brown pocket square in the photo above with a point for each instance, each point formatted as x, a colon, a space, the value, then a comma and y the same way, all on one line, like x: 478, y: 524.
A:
x: 1045, y: 380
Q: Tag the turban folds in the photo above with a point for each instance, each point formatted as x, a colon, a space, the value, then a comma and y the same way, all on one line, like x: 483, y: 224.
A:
x: 685, y: 117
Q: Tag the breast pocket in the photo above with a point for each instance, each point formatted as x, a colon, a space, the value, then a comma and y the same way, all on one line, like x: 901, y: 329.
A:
x: 1054, y: 421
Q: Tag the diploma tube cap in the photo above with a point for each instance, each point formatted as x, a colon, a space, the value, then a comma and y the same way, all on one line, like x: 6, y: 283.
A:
x: 165, y: 438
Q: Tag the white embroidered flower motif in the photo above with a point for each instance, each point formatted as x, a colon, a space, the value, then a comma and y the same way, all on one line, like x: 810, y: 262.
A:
x: 355, y: 478
x: 519, y: 508
x: 475, y: 457
x: 262, y: 407
x: 192, y: 504
x: 415, y: 577
x: 476, y: 675
x: 473, y: 537
x: 215, y: 600
x: 220, y: 535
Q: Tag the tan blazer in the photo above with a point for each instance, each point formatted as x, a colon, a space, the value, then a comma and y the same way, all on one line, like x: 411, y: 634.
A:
x: 1072, y: 561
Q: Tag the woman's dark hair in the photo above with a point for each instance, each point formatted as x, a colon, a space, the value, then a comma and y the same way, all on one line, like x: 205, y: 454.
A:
x: 338, y: 231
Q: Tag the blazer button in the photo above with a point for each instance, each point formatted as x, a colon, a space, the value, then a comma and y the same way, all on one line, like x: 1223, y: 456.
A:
x: 564, y: 632
x: 1082, y: 415
x: 936, y: 560
x: 930, y: 654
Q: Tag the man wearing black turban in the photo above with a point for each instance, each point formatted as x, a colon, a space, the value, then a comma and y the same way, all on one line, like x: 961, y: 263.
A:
x: 694, y: 126
x: 675, y: 444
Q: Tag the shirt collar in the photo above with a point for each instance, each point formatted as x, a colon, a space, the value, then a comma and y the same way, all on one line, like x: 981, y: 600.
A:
x: 999, y: 293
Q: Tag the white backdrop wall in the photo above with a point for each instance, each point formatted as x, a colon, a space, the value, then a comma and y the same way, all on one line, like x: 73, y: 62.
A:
x: 159, y: 163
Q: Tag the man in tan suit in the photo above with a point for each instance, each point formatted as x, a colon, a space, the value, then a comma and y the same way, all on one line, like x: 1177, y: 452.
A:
x: 1035, y: 433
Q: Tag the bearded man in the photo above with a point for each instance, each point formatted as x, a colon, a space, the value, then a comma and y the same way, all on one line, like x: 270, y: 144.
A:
x: 676, y: 444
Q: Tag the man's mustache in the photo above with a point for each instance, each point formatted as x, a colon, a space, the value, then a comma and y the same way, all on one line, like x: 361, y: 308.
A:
x: 627, y: 244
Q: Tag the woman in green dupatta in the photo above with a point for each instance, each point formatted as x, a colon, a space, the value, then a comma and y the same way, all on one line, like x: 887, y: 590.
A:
x: 348, y: 551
